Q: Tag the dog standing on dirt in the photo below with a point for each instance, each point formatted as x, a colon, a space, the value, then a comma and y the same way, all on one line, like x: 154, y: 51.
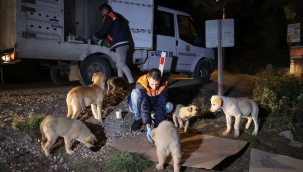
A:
x: 54, y: 126
x: 166, y: 138
x: 83, y: 96
x: 183, y: 114
x: 237, y: 107
x: 117, y: 83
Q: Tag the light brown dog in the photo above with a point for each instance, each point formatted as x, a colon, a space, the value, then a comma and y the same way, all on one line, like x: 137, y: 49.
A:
x: 54, y: 126
x: 117, y: 83
x: 166, y: 138
x: 83, y: 96
x: 183, y: 114
x: 237, y: 107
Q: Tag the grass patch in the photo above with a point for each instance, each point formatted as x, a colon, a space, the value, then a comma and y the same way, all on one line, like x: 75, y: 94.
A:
x: 125, y: 161
x: 81, y: 165
x: 31, y: 124
x: 126, y: 125
x: 3, y: 167
x: 199, y: 124
x: 2, y: 136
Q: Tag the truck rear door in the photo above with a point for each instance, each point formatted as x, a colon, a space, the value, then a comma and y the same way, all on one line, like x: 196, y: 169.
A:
x: 139, y: 14
x: 165, y: 40
x: 44, y: 19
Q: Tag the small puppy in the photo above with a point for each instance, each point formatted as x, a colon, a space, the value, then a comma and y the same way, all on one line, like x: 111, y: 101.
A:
x: 54, y: 126
x: 182, y: 114
x: 237, y: 107
x: 117, y: 83
x: 83, y: 96
x: 166, y: 138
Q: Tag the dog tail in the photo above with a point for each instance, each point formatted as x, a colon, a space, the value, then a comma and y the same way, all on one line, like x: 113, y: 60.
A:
x: 255, y: 111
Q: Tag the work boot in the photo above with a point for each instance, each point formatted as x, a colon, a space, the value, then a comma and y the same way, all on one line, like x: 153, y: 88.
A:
x: 136, y: 126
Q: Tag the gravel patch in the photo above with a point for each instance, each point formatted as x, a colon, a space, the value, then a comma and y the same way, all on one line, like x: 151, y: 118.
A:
x: 21, y: 151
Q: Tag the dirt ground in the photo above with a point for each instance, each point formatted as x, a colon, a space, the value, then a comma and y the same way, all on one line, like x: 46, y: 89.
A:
x: 25, y: 100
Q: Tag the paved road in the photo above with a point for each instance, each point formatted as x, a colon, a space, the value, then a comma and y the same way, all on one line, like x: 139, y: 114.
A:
x: 230, y: 81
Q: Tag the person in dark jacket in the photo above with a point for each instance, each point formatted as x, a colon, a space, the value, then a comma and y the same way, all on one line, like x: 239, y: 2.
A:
x: 150, y: 95
x: 115, y: 31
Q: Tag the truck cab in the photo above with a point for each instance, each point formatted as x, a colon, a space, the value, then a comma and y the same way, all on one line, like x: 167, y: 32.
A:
x: 176, y: 34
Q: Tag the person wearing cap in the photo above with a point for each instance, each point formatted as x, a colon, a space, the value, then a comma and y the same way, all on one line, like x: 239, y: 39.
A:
x: 150, y: 95
x: 115, y: 31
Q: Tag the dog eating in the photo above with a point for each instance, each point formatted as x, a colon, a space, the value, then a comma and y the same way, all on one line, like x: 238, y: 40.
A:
x: 237, y: 107
x: 116, y: 83
x: 54, y: 126
x: 83, y: 96
x: 183, y: 114
x: 166, y: 138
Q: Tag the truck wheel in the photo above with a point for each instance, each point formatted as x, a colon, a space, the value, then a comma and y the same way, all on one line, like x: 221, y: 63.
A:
x: 92, y: 64
x: 202, y: 72
x: 60, y: 76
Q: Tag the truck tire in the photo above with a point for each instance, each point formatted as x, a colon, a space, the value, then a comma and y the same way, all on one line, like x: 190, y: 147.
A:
x: 92, y: 64
x: 202, y: 72
x: 60, y: 77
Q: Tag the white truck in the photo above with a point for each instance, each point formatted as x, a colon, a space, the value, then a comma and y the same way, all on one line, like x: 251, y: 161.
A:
x: 38, y: 29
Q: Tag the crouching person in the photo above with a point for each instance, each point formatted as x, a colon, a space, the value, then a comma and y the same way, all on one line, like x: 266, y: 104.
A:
x: 150, y: 95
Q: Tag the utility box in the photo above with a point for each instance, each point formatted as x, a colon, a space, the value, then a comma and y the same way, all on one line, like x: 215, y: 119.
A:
x: 296, y: 52
x: 296, y: 62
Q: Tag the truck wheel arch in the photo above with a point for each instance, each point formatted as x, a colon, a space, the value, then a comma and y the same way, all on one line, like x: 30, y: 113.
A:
x: 95, y: 63
x: 202, y: 70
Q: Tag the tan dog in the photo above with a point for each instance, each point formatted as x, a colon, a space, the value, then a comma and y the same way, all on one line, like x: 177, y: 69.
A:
x: 237, y: 107
x: 117, y: 83
x: 182, y: 114
x: 54, y: 126
x: 83, y: 96
x: 166, y: 138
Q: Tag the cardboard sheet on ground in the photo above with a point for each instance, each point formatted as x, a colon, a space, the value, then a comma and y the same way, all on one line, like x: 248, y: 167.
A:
x: 261, y: 161
x: 199, y: 150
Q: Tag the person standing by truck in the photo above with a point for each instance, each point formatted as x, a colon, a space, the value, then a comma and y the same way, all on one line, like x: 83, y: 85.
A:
x: 115, y: 31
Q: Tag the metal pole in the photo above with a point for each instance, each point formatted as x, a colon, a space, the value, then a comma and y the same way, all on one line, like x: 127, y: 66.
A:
x: 223, y: 49
x: 220, y: 84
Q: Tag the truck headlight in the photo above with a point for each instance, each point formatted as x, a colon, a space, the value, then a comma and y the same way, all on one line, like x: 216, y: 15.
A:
x: 9, y: 57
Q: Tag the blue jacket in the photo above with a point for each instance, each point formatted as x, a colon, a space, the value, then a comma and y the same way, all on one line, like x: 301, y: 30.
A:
x: 114, y: 30
x: 152, y: 100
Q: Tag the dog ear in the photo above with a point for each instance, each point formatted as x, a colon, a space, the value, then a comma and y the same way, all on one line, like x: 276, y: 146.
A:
x: 189, y: 109
x: 93, y: 77
x: 91, y: 139
x: 94, y: 137
x: 219, y: 101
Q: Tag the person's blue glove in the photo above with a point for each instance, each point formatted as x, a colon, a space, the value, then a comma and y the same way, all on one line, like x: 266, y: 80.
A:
x: 94, y: 38
x: 148, y: 134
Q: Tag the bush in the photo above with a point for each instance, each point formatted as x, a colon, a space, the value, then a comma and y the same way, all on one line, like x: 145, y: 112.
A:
x: 126, y: 162
x: 282, y: 93
x: 275, y: 87
x: 31, y: 124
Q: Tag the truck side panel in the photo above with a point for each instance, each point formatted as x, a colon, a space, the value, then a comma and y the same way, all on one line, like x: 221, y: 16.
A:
x: 139, y: 14
x: 7, y: 29
x: 44, y: 19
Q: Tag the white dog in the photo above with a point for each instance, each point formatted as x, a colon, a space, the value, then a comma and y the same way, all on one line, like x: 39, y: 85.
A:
x: 237, y: 107
x: 83, y: 96
x: 166, y: 138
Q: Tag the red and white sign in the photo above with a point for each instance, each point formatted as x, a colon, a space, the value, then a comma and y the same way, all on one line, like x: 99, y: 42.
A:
x: 162, y: 62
